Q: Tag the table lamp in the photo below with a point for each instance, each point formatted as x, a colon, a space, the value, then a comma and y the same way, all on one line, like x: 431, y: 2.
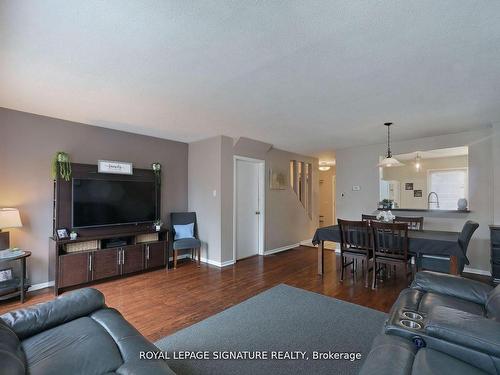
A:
x: 9, y: 218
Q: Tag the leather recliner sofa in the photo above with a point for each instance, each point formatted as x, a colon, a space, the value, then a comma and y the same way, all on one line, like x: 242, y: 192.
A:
x: 73, y: 334
x: 442, y: 324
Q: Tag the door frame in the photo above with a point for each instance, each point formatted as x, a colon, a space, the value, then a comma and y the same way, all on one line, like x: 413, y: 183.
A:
x: 262, y: 201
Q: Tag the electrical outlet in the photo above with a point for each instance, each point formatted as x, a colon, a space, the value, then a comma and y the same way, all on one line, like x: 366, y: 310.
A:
x: 356, y: 188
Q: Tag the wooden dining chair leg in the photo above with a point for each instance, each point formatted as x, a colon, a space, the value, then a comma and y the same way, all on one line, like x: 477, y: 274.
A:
x: 199, y: 256
x: 341, y: 267
x: 374, y: 278
x: 366, y: 271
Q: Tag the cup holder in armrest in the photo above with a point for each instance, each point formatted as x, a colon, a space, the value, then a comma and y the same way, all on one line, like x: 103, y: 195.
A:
x: 410, y: 324
x: 412, y: 315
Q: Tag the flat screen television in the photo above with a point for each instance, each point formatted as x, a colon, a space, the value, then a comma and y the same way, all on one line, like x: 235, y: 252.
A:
x: 111, y: 202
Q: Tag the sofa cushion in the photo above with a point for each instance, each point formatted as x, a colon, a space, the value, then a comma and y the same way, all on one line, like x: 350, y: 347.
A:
x: 430, y: 300
x: 32, y: 320
x: 432, y: 362
x: 12, y: 359
x: 81, y: 346
x: 493, y: 304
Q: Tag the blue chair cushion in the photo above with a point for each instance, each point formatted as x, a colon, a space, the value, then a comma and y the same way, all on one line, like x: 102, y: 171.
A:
x: 187, y: 243
x: 184, y: 231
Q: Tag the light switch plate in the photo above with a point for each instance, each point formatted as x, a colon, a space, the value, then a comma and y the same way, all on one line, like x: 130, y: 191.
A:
x: 356, y: 188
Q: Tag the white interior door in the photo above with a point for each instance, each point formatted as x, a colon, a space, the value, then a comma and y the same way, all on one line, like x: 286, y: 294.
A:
x: 247, y: 212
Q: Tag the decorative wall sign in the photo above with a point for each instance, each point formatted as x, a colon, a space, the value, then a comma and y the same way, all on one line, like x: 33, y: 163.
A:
x: 277, y: 180
x: 116, y: 167
x: 417, y: 193
x: 409, y: 186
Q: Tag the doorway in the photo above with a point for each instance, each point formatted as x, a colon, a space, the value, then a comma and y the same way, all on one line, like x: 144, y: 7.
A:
x: 249, y: 207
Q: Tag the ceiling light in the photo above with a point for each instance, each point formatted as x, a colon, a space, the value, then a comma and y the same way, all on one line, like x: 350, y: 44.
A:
x: 324, y: 167
x: 418, y: 163
x: 389, y: 161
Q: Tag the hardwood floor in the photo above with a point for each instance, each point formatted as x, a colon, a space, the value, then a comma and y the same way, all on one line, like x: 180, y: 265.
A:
x: 161, y: 302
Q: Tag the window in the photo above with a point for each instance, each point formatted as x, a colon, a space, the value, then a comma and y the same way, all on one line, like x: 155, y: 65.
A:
x: 450, y: 185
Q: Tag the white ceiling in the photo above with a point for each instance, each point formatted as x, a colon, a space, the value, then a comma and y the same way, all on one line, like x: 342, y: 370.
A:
x: 306, y: 76
x: 434, y: 154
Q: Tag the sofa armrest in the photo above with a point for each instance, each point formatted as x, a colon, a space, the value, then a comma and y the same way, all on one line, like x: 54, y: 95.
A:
x: 32, y: 320
x: 400, y: 351
x: 464, y: 329
x: 454, y: 286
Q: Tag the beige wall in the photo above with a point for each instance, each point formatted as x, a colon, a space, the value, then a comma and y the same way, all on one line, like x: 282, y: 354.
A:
x: 357, y: 166
x: 27, y: 144
x: 408, y: 173
x: 326, y: 199
x: 286, y: 220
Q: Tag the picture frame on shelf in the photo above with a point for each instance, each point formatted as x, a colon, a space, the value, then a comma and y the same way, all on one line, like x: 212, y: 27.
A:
x: 6, y: 274
x: 62, y: 233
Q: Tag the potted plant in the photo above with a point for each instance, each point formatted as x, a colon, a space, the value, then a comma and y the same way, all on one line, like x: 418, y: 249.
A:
x: 73, y: 235
x: 61, y: 165
x: 157, y: 224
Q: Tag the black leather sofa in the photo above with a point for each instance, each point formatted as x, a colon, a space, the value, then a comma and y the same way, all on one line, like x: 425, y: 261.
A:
x: 442, y: 324
x: 73, y: 334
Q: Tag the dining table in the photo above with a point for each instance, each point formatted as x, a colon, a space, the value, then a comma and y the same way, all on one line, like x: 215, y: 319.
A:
x: 428, y: 242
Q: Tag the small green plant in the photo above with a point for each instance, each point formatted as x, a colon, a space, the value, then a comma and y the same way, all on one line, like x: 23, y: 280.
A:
x: 61, y: 165
x: 158, y: 223
x: 156, y: 167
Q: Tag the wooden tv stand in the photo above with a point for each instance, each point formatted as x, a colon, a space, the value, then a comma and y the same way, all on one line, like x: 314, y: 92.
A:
x: 93, y: 256
x: 97, y: 261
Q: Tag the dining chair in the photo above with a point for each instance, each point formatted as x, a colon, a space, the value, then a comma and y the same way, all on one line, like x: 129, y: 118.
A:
x: 440, y: 263
x: 390, y: 247
x: 414, y: 223
x: 355, y: 243
x: 365, y: 217
x: 191, y: 242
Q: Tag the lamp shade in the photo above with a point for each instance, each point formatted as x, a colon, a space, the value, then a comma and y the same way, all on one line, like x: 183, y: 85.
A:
x: 9, y: 218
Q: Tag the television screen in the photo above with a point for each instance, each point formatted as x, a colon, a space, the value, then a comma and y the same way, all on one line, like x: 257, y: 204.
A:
x: 111, y: 202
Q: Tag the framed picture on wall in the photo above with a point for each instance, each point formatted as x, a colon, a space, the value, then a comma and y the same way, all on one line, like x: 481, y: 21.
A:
x: 417, y: 193
x: 409, y: 186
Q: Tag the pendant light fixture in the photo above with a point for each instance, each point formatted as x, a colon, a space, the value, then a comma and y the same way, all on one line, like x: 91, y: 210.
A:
x: 418, y: 162
x: 389, y: 161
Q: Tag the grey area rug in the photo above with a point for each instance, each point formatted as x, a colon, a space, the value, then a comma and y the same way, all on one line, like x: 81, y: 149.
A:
x: 282, y: 318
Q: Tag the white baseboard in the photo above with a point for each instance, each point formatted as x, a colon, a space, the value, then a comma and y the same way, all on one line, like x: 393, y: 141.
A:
x: 307, y: 242
x: 41, y: 286
x: 477, y: 271
x: 217, y: 264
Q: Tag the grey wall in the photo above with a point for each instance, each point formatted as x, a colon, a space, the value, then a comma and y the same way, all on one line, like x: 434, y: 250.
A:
x: 286, y: 220
x: 211, y: 168
x: 27, y: 144
x: 358, y: 166
x: 496, y: 172
x: 204, y: 178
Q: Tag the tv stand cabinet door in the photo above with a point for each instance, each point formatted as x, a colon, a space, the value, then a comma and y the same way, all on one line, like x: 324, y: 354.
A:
x: 105, y: 264
x: 73, y: 269
x: 133, y: 259
x: 156, y: 254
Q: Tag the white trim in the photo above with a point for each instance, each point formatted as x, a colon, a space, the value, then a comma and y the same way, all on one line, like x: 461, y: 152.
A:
x: 217, y: 264
x: 280, y: 249
x: 477, y: 271
x: 307, y: 242
x: 262, y: 204
x: 47, y: 284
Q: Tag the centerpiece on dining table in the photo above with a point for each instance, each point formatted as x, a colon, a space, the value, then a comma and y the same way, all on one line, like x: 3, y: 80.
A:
x: 386, y: 216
